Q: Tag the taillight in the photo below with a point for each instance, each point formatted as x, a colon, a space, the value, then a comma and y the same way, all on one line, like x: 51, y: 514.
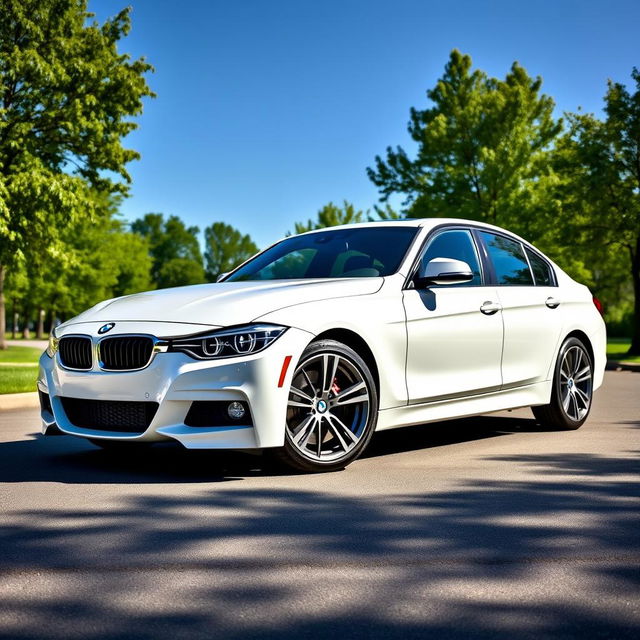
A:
x: 599, y: 305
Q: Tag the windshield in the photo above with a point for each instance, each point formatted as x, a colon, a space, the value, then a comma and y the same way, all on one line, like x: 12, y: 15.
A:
x: 336, y: 253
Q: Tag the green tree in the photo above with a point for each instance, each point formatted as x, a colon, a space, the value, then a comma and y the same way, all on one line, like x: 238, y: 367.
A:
x: 174, y: 248
x: 331, y: 215
x: 388, y: 213
x: 600, y: 193
x: 66, y: 98
x: 225, y: 249
x: 131, y: 262
x: 482, y: 147
x: 16, y: 288
x: 101, y: 260
x: 179, y: 272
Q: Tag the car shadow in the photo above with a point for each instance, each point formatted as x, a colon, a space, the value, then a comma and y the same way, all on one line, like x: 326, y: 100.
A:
x: 70, y: 460
x: 235, y: 562
x: 439, y: 434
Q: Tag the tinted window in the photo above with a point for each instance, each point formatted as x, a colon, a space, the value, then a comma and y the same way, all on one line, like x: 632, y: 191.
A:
x: 509, y: 261
x: 457, y: 244
x: 541, y: 270
x: 335, y: 253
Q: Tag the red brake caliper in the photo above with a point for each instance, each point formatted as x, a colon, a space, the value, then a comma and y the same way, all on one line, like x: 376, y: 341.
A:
x: 334, y: 387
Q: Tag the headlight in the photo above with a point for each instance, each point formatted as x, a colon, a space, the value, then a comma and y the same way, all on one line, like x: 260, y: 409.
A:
x: 227, y: 343
x: 52, y: 347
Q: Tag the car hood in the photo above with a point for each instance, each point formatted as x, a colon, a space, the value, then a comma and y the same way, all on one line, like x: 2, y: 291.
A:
x: 224, y: 303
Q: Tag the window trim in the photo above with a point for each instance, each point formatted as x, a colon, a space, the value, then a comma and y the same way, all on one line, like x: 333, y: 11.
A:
x: 403, y: 259
x: 524, y: 245
x: 494, y: 278
x: 488, y: 276
x: 552, y: 271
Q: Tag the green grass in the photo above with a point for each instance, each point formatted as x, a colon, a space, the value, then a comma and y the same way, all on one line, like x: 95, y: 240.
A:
x: 617, y: 350
x: 19, y: 369
x: 19, y: 336
x: 18, y: 379
x: 20, y: 354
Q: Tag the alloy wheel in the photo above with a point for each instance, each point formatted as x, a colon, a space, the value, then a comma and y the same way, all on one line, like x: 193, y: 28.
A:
x: 328, y: 407
x: 576, y: 383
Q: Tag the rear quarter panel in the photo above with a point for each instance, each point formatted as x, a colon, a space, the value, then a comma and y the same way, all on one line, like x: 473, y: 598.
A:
x: 580, y: 314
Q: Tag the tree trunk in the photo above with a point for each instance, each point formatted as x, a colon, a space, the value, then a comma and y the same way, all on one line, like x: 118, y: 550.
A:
x: 14, y: 326
x: 25, y: 325
x: 3, y: 319
x: 40, y: 327
x: 634, y: 349
x: 52, y: 321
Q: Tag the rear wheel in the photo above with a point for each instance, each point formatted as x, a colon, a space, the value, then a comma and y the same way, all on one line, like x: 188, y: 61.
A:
x: 331, y: 411
x: 572, y: 388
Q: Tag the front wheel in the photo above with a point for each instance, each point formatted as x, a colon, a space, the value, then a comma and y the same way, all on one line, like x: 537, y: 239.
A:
x: 572, y: 388
x: 331, y: 410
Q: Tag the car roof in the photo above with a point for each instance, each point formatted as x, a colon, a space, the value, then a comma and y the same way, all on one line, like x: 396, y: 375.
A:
x: 411, y: 222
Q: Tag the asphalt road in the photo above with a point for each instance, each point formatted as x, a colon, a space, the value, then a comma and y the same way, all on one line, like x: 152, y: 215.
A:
x: 483, y: 528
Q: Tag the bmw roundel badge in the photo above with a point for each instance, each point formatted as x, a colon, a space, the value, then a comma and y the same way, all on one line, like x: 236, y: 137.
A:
x: 106, y: 327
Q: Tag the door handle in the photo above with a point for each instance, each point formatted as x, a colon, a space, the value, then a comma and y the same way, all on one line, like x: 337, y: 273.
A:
x: 552, y: 303
x: 489, y: 308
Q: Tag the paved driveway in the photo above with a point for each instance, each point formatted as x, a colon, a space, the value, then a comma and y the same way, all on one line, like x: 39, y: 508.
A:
x: 483, y: 528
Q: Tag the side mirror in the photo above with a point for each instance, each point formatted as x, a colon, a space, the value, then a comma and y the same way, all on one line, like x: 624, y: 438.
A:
x: 444, y: 271
x: 222, y: 276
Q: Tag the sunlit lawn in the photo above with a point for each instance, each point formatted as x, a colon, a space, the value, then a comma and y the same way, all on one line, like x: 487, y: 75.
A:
x: 18, y: 379
x: 19, y: 369
x: 617, y: 350
x: 20, y: 354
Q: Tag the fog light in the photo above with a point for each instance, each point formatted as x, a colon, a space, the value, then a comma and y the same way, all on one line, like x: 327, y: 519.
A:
x: 236, y: 410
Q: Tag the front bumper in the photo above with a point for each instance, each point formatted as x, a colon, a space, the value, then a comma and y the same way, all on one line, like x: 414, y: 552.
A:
x: 175, y: 381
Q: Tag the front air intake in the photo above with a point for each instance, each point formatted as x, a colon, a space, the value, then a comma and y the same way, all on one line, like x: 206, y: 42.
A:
x: 125, y: 353
x: 110, y: 415
x: 75, y: 352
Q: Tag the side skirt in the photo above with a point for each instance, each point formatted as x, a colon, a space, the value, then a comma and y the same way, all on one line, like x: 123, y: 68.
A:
x: 530, y: 395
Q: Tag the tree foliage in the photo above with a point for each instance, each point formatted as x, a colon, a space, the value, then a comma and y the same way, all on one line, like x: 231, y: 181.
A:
x: 225, y: 249
x: 101, y: 260
x: 491, y: 150
x: 331, y: 215
x: 174, y: 249
x: 599, y: 161
x: 481, y: 147
x: 66, y: 98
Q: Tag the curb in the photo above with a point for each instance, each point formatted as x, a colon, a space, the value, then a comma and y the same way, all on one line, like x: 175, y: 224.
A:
x: 10, y: 401
x: 615, y: 365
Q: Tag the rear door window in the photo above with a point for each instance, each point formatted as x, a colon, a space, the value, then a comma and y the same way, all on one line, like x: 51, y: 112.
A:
x: 509, y: 260
x: 541, y: 270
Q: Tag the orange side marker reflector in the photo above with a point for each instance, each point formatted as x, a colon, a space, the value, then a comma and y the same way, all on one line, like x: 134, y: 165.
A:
x: 285, y: 367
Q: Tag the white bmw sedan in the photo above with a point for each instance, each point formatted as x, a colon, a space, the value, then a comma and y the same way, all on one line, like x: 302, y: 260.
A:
x: 313, y: 344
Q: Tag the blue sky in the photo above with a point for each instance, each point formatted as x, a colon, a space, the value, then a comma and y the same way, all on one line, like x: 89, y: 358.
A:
x: 269, y: 109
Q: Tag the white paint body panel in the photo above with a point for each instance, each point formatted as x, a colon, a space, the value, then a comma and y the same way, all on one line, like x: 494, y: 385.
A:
x: 224, y: 303
x: 454, y: 349
x: 437, y: 356
x: 532, y: 333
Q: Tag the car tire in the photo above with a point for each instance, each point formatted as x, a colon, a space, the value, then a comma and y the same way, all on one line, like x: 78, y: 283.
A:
x: 572, y: 390
x: 332, y: 409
